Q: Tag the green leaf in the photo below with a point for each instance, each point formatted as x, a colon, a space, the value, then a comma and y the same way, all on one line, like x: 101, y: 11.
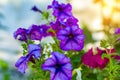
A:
x: 105, y: 56
x: 24, y: 46
x: 117, y: 48
x: 104, y: 44
x: 3, y: 65
x: 45, y: 15
x: 6, y: 76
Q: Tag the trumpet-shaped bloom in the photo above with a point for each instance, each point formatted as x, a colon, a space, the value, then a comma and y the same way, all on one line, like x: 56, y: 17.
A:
x: 59, y: 67
x: 61, y: 11
x: 21, y: 64
x: 21, y: 34
x: 57, y: 26
x: 33, y: 51
x: 95, y: 60
x: 71, y: 38
x: 36, y: 32
x: 71, y: 21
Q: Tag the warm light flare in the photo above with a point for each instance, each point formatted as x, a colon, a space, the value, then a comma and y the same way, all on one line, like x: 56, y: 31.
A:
x: 108, y: 7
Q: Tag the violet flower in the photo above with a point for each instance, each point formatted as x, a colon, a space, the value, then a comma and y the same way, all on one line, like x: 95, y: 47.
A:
x: 57, y: 26
x: 21, y: 34
x: 33, y: 51
x: 36, y: 32
x: 72, y: 21
x: 59, y: 67
x: 61, y: 11
x: 71, y: 38
x: 21, y: 64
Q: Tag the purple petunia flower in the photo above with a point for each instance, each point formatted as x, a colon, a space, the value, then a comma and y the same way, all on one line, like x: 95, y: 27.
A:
x: 21, y: 64
x: 95, y: 60
x: 36, y: 32
x: 117, y: 31
x: 21, y: 34
x: 61, y: 11
x: 71, y: 21
x: 71, y: 38
x: 33, y: 51
x: 57, y: 26
x: 59, y: 67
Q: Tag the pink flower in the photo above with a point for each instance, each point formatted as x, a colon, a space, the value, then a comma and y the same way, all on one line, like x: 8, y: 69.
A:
x: 95, y: 60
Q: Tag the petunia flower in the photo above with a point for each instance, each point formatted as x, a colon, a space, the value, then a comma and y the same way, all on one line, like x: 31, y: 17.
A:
x: 71, y: 38
x: 36, y: 32
x: 21, y: 64
x: 59, y: 67
x: 95, y: 60
x: 71, y: 21
x: 58, y: 25
x: 33, y: 51
x: 61, y: 11
x: 21, y: 34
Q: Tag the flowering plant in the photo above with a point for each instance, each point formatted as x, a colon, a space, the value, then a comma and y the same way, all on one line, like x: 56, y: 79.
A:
x: 64, y: 57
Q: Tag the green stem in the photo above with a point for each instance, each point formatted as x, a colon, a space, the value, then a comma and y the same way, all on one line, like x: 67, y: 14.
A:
x: 110, y: 64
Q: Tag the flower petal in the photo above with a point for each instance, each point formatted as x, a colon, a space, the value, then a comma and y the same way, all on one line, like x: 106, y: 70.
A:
x: 65, y: 45
x: 49, y: 65
x: 67, y: 69
x: 21, y: 34
x: 60, y: 76
x: 61, y: 58
x: 21, y: 64
x: 34, y: 50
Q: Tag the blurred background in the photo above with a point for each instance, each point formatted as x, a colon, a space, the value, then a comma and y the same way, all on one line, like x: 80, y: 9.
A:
x: 96, y: 17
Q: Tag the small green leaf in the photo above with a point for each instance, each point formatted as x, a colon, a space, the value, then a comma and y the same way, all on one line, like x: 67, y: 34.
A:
x: 6, y: 76
x: 45, y: 15
x: 24, y: 46
x: 104, y: 44
x: 105, y: 56
x: 3, y: 65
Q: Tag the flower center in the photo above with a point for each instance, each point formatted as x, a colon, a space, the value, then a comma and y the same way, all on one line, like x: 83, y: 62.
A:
x: 57, y: 66
x: 60, y: 9
x: 70, y: 35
